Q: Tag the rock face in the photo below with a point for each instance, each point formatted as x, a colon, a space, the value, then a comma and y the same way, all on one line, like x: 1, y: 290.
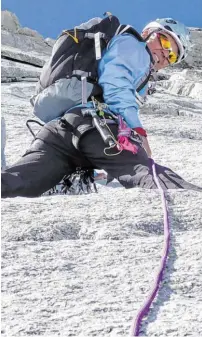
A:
x: 24, y: 51
x: 83, y: 265
x: 185, y: 79
x: 195, y: 58
x: 9, y: 21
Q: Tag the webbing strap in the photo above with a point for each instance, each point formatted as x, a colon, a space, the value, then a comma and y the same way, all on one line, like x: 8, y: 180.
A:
x: 139, y: 98
x: 144, y: 82
x: 92, y: 35
x: 97, y: 46
x: 120, y: 31
x: 146, y: 306
x: 81, y: 73
x: 84, y: 90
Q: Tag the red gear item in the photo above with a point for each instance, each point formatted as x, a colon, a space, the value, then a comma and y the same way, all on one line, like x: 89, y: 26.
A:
x: 141, y: 131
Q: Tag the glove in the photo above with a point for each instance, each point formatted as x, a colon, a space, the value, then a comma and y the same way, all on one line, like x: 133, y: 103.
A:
x: 140, y: 131
x: 143, y: 135
x: 146, y: 146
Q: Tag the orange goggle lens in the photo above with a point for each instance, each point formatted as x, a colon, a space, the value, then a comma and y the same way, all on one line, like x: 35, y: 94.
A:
x: 165, y: 43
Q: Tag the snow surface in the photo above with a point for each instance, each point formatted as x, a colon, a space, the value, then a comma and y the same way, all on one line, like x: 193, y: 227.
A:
x: 83, y: 265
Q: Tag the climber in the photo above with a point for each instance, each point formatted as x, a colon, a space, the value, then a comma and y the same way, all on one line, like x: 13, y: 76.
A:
x: 75, y: 140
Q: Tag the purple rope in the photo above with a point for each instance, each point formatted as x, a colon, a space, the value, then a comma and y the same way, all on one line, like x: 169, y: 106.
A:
x: 146, y: 306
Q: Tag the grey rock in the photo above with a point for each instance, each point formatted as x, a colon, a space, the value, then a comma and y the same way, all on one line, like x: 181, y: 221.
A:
x: 3, y: 143
x: 195, y: 29
x: 9, y: 21
x: 25, y: 42
x: 19, y: 79
x: 12, y: 70
x: 194, y: 59
x: 50, y: 41
x: 16, y: 54
x: 29, y: 32
x: 24, y: 51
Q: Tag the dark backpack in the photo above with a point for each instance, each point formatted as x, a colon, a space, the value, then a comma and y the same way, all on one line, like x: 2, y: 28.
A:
x: 75, y: 55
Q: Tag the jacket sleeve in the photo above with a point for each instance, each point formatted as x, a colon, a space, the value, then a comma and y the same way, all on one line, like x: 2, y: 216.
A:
x: 123, y: 65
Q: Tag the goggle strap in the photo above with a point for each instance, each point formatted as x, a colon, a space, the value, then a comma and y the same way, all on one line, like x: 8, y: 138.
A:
x: 150, y: 34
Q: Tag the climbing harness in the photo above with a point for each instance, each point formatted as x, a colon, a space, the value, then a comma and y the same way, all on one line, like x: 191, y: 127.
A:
x: 98, y: 111
x: 146, y: 306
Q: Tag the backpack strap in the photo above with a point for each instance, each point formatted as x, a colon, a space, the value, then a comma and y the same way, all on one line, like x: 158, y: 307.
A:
x: 80, y: 73
x: 92, y: 35
x: 130, y: 30
x: 74, y: 37
x: 122, y: 29
x: 146, y: 80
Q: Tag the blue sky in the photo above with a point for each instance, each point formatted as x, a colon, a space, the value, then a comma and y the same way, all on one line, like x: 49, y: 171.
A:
x: 50, y: 17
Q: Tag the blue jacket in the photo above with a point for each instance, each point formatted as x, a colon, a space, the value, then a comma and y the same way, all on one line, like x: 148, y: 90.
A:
x: 123, y: 67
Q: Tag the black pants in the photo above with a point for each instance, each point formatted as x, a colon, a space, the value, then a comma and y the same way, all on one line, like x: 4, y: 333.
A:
x: 52, y: 155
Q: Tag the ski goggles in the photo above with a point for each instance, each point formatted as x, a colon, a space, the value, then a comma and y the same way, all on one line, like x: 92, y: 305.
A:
x: 166, y: 45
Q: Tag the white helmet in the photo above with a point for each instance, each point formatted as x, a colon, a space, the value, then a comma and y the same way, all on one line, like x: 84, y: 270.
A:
x: 177, y: 30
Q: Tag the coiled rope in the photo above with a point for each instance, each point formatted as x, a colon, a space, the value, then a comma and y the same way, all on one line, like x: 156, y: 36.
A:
x: 146, y: 306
